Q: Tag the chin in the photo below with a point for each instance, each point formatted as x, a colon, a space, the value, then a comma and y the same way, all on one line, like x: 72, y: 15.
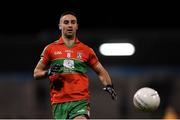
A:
x: 69, y: 36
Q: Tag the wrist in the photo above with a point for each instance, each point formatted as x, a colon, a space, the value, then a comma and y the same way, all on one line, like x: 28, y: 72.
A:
x: 109, y: 85
x: 47, y: 72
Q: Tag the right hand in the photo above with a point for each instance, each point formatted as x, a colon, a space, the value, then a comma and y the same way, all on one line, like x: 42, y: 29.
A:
x: 56, y: 68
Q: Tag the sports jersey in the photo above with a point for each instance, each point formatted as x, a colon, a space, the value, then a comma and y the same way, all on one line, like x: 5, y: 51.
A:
x: 71, y: 83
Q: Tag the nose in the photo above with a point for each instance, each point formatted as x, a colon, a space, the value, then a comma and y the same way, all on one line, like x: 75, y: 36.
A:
x: 70, y: 25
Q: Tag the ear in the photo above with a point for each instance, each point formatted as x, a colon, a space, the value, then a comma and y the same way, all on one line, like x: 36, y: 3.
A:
x: 59, y: 26
x: 77, y: 27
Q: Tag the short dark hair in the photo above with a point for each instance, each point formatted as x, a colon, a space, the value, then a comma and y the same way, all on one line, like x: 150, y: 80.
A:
x: 67, y: 13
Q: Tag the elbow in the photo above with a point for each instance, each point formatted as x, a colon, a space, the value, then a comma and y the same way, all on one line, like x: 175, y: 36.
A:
x: 35, y: 75
x: 39, y: 74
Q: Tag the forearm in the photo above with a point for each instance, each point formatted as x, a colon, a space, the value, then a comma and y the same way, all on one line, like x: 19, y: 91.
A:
x: 105, y: 78
x: 40, y: 74
x: 102, y: 74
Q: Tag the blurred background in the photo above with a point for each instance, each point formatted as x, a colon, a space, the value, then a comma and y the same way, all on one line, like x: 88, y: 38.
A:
x: 154, y: 30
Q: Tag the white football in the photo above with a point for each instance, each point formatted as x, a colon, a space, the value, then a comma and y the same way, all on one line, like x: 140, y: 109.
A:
x: 146, y: 99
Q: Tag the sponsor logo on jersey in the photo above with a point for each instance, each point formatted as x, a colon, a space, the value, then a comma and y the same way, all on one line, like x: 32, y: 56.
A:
x: 82, y: 110
x: 69, y: 51
x: 57, y: 53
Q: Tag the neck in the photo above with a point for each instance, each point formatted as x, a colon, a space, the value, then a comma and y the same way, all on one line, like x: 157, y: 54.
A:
x: 68, y: 41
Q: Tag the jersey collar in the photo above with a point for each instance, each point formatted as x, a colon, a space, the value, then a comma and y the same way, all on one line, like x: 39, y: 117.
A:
x: 61, y: 41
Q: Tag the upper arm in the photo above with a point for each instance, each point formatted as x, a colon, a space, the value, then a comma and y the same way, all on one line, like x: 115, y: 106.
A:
x: 40, y: 66
x: 40, y: 70
x: 93, y: 59
x: 45, y: 58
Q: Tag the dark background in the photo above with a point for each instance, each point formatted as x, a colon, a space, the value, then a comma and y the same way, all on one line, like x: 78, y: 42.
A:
x: 152, y: 27
x: 26, y: 27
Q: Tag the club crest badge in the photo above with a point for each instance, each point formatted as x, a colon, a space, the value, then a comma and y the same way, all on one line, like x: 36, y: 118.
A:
x: 79, y: 55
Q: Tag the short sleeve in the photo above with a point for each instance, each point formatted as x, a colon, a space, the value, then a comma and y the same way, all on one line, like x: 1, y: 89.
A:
x: 45, y: 55
x: 93, y: 59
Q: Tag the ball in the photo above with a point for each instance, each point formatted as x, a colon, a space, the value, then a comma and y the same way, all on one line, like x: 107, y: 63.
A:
x: 146, y: 99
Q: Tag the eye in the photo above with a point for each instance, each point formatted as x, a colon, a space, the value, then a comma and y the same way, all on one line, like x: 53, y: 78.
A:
x: 73, y: 21
x: 66, y: 22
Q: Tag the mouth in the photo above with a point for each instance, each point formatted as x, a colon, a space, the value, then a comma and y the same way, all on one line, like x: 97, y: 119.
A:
x: 69, y: 30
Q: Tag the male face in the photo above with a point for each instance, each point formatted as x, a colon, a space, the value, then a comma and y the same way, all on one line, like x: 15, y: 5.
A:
x: 68, y: 25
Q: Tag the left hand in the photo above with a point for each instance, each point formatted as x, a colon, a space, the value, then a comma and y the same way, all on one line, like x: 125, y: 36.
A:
x: 111, y: 91
x: 54, y: 69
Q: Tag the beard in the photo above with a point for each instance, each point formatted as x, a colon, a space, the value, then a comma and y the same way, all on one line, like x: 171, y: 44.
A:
x: 70, y: 36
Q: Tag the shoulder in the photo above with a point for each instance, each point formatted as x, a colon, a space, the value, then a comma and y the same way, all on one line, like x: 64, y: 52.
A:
x: 50, y: 45
x: 85, y: 46
x: 53, y: 43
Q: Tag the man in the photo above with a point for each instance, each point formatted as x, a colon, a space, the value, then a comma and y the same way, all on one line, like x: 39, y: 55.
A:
x: 65, y: 63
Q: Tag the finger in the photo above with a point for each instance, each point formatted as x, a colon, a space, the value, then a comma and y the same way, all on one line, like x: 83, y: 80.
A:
x: 114, y: 97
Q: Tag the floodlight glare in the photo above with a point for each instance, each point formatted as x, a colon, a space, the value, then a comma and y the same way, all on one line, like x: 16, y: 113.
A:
x: 117, y: 49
